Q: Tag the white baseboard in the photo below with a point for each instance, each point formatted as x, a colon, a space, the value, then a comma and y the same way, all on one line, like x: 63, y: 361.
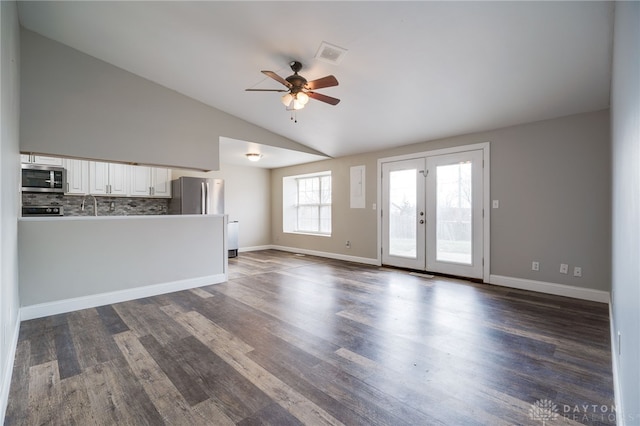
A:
x: 365, y: 260
x: 254, y: 248
x: 551, y: 288
x: 69, y: 305
x: 5, y: 385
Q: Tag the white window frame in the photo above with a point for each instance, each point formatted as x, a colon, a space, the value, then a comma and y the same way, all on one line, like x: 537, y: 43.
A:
x: 291, y: 204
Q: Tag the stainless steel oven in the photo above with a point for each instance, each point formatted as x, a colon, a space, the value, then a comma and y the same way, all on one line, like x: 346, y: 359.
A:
x: 42, y: 211
x: 38, y: 178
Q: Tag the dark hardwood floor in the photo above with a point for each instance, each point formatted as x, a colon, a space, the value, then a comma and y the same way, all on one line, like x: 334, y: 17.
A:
x: 292, y: 340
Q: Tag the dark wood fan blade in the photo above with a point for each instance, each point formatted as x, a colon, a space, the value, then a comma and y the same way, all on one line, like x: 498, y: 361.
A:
x: 328, y: 81
x: 265, y: 90
x: 277, y: 78
x: 323, y: 98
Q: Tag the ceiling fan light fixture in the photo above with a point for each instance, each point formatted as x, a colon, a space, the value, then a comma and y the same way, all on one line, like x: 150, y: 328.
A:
x: 286, y: 99
x: 299, y: 89
x: 253, y: 156
x: 302, y: 97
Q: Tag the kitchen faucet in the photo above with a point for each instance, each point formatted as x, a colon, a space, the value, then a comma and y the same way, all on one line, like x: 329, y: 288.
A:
x: 95, y: 204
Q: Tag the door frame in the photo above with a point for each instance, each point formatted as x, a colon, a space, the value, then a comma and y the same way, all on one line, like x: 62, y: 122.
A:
x: 485, y: 147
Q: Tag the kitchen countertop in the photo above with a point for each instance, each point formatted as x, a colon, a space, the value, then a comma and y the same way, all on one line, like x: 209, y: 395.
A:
x: 136, y: 217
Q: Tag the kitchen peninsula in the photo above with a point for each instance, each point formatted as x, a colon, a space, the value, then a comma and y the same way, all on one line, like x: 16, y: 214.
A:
x: 69, y: 263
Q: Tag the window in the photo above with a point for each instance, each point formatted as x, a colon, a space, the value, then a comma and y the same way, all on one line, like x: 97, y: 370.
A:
x: 307, y: 204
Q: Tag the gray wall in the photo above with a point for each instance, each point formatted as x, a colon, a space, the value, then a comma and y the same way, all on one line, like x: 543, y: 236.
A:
x: 75, y: 105
x: 9, y: 191
x: 625, y: 138
x: 552, y: 179
x: 247, y: 200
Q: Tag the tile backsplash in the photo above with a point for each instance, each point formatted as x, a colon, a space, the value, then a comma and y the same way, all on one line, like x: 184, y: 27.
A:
x: 107, y: 206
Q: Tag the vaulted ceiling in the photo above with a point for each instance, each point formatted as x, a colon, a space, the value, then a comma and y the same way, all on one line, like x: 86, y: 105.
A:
x: 413, y: 71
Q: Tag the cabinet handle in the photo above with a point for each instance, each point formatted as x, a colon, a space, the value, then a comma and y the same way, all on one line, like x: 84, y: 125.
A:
x: 67, y: 186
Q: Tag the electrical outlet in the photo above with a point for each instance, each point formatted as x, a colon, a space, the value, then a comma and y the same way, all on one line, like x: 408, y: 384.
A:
x: 348, y: 244
x: 535, y: 266
x: 496, y: 204
x: 564, y: 268
x: 577, y: 271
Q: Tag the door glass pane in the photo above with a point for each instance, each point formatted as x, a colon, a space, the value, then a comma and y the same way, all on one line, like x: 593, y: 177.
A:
x: 402, y: 213
x: 453, y: 214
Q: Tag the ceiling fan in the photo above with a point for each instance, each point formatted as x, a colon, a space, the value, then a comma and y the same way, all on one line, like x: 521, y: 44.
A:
x: 299, y: 90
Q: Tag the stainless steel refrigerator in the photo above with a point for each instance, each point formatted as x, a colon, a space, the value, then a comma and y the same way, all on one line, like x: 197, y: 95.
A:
x: 191, y: 195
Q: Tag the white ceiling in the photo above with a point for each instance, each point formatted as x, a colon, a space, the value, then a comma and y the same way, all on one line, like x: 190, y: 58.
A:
x: 233, y: 151
x: 414, y: 71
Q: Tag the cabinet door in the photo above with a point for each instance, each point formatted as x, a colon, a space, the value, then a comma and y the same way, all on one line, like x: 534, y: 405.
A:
x: 47, y: 161
x: 161, y: 179
x: 77, y: 176
x: 118, y: 179
x: 25, y: 158
x: 140, y: 181
x: 98, y: 178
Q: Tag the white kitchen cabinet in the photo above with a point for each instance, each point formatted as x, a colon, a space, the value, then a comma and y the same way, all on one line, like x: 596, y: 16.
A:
x: 161, y: 182
x: 41, y: 159
x: 77, y: 176
x: 108, y: 179
x: 150, y: 182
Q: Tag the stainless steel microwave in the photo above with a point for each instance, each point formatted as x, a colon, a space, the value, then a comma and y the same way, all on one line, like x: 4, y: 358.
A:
x: 38, y: 178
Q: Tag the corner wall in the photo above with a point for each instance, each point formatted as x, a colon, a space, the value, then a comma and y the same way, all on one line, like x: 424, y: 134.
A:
x: 9, y: 193
x: 625, y: 140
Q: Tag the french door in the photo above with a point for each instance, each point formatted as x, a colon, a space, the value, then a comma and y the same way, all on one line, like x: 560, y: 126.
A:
x: 432, y: 213
x: 403, y: 213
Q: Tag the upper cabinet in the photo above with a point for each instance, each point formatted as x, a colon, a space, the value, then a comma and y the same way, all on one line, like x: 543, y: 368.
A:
x: 108, y: 179
x: 161, y: 182
x: 77, y: 176
x: 41, y: 159
x: 150, y: 182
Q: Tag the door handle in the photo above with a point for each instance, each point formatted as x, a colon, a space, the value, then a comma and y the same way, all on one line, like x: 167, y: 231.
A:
x: 203, y: 196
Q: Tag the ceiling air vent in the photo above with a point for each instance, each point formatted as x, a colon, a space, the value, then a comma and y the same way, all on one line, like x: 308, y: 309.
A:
x: 330, y: 53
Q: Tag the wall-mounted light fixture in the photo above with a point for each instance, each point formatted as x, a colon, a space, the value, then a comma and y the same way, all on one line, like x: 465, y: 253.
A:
x: 253, y: 156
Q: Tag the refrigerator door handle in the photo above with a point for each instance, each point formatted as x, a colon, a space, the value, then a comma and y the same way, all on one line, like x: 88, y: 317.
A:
x: 203, y: 198
x: 209, y: 200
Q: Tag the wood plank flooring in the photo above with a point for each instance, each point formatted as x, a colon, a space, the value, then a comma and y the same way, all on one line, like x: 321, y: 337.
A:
x: 293, y: 340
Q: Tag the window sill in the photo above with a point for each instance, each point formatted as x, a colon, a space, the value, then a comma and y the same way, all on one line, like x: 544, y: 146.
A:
x: 310, y: 234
